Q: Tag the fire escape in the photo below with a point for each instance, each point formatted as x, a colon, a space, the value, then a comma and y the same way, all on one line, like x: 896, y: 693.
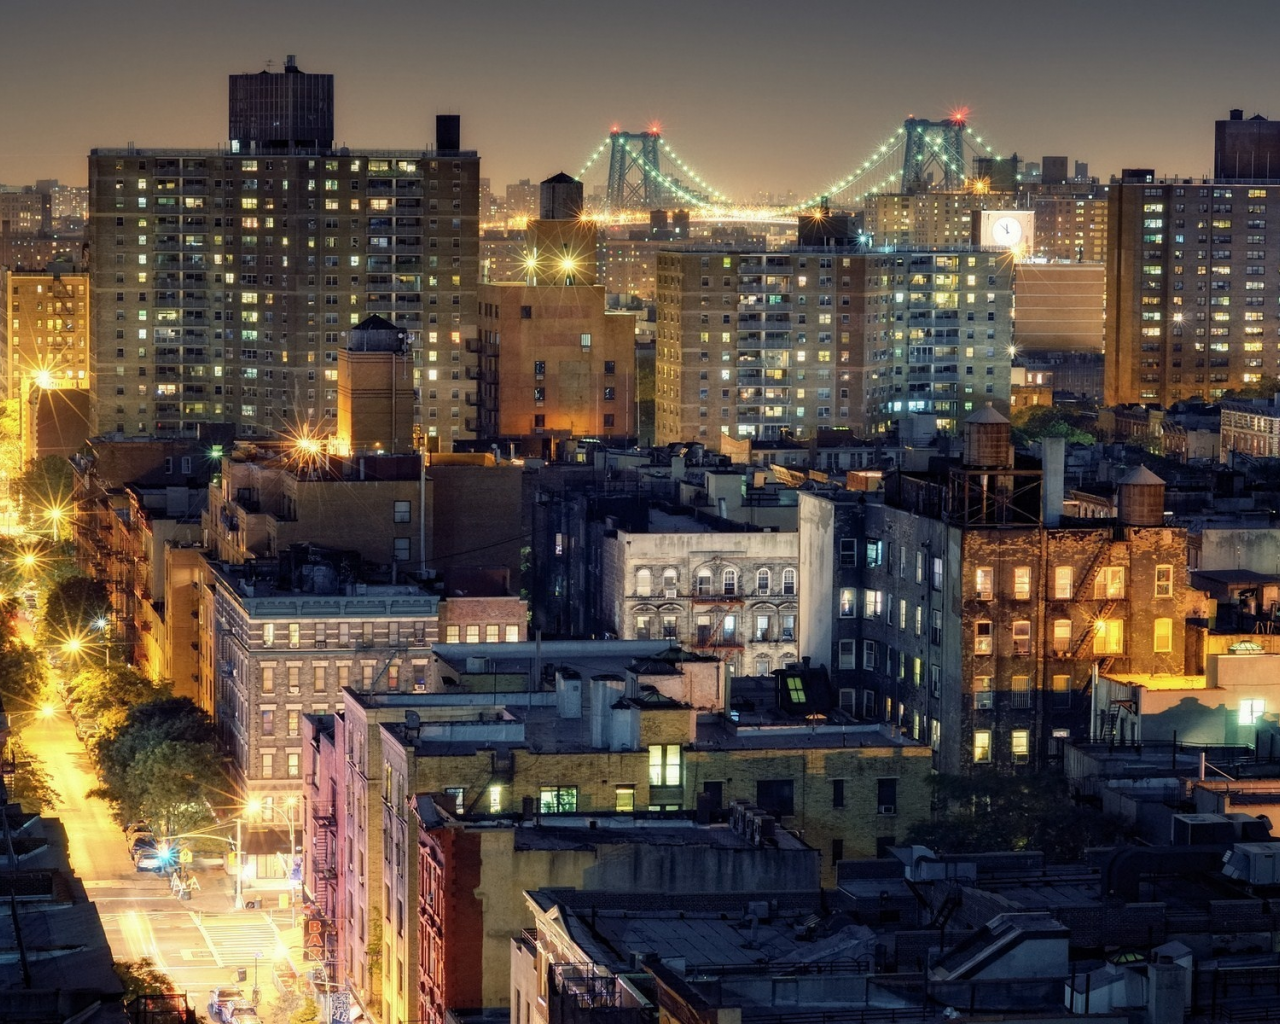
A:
x: 324, y: 858
x: 1081, y: 646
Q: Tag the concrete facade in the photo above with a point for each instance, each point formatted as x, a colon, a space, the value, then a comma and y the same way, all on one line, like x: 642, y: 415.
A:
x: 755, y: 344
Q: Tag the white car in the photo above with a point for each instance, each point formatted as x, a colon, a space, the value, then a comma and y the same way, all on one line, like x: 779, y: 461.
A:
x: 223, y: 1001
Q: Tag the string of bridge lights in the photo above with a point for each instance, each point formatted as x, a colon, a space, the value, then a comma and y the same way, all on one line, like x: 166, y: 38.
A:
x: 714, y: 192
x: 879, y: 155
x: 665, y: 181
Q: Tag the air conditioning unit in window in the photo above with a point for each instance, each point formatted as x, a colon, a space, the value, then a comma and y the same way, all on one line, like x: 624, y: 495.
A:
x: 320, y: 643
x: 983, y: 699
x: 671, y: 591
x: 887, y: 809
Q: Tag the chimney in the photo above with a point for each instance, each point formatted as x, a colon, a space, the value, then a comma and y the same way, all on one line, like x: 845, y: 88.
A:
x: 1053, y: 457
x: 448, y: 133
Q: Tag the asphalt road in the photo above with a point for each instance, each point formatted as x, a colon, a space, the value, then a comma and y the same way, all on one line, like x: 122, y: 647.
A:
x: 199, y: 943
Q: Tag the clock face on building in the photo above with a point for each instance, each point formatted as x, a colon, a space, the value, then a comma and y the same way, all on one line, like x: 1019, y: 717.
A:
x: 1006, y: 231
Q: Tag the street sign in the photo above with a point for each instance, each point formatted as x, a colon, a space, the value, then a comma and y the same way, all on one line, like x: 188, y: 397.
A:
x: 339, y: 1007
x: 313, y: 939
x: 184, y: 857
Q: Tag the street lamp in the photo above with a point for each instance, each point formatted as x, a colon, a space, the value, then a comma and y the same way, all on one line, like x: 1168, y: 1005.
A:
x: 255, y: 808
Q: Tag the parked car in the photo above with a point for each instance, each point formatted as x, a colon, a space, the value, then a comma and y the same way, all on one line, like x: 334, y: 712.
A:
x: 150, y: 858
x: 245, y: 1014
x: 222, y: 1000
x: 141, y: 843
x: 87, y: 728
x: 134, y: 828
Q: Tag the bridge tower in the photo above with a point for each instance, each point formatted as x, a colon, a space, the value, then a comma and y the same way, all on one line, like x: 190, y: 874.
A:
x: 634, y: 166
x: 933, y: 145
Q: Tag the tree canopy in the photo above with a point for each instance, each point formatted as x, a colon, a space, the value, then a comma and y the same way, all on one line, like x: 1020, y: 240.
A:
x: 73, y: 607
x: 1035, y: 812
x: 162, y: 764
x: 1032, y: 423
x: 107, y: 692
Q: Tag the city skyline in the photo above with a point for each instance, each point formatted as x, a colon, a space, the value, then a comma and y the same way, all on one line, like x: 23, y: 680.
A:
x: 539, y: 87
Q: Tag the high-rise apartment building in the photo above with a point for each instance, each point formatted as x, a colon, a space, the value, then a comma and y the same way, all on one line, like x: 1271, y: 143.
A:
x: 929, y: 218
x: 771, y: 344
x: 1071, y: 227
x: 225, y: 283
x: 45, y: 333
x: 1191, y: 287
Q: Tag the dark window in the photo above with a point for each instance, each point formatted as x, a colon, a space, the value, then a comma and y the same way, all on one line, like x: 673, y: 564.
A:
x: 777, y: 796
x: 526, y: 312
x: 608, y: 421
x: 837, y: 792
x: 400, y: 512
x: 539, y: 394
x: 539, y: 367
x: 837, y: 850
x: 608, y: 394
x: 608, y: 367
x: 539, y: 422
x: 887, y: 796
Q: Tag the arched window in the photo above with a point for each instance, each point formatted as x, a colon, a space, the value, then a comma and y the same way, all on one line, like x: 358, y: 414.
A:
x: 788, y: 581
x: 669, y: 582
x: 704, y: 582
x: 762, y: 582
x: 730, y: 582
x: 644, y: 583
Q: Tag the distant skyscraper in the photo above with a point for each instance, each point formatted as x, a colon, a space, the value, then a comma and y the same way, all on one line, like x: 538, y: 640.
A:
x: 1246, y: 150
x: 1082, y: 171
x: 1188, y: 289
x: 1053, y: 170
x: 225, y: 285
x: 280, y: 112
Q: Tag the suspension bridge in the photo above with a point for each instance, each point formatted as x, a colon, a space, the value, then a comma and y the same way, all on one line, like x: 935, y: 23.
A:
x: 644, y: 172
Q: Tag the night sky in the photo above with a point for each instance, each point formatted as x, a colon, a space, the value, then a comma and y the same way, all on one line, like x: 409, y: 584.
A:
x: 755, y: 95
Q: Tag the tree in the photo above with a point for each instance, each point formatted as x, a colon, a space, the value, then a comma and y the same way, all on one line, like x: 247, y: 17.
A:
x: 1034, y: 422
x: 142, y: 978
x: 307, y: 1013
x: 107, y: 692
x: 161, y: 763
x: 47, y: 482
x: 72, y: 608
x: 31, y: 786
x: 1033, y: 812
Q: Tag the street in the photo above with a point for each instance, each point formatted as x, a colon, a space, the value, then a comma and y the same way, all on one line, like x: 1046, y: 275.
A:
x: 199, y: 942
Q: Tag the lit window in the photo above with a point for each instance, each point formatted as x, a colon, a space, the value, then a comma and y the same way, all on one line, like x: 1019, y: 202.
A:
x: 1109, y: 586
x: 1162, y: 640
x: 1061, y: 636
x: 268, y: 634
x: 558, y: 799
x: 664, y: 764
x: 1164, y: 581
x: 981, y: 638
x: 1251, y: 711
x: 982, y: 746
x: 624, y: 799
x: 984, y: 582
x: 1022, y: 582
x: 848, y: 602
x: 1108, y: 636
x: 644, y: 582
x: 1063, y: 583
x: 1020, y: 744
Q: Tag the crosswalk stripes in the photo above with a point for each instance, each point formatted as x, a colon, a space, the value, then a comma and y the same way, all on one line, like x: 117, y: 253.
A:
x: 236, y: 938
